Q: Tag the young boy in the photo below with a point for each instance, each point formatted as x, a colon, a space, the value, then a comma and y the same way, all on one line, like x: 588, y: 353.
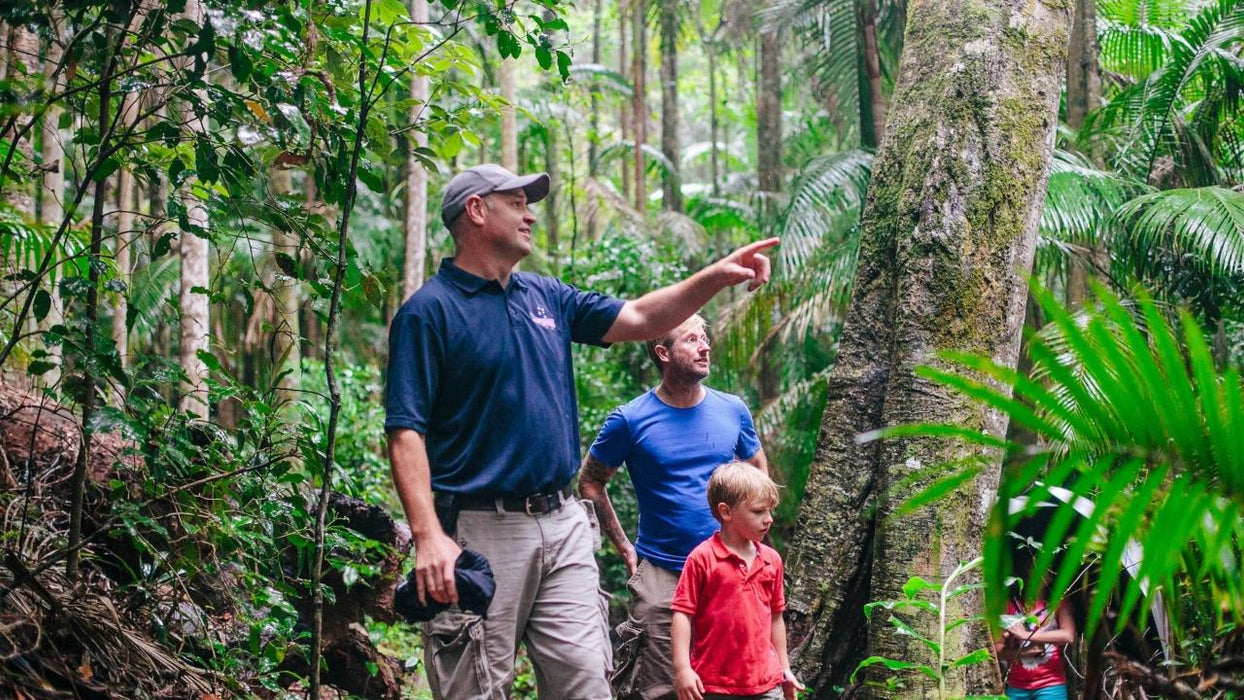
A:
x: 729, y: 599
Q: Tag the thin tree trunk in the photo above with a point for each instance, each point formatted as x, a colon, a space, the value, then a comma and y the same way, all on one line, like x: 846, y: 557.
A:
x: 593, y: 137
x: 671, y: 181
x: 639, y: 103
x: 714, y: 130
x: 769, y: 125
x: 19, y: 191
x: 87, y: 392
x: 125, y: 237
x: 1083, y: 74
x: 947, y: 238
x: 625, y: 110
x: 509, y: 122
x: 287, y: 300
x: 52, y: 198
x: 1083, y: 96
x: 551, y: 221
x: 866, y: 13
x: 193, y: 299
x: 416, y: 179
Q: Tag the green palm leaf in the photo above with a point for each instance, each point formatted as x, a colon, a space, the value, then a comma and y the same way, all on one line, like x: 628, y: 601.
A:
x: 1145, y: 432
x: 1190, y: 241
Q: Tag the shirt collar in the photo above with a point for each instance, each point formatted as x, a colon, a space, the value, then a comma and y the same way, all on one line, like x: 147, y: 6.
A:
x: 721, y: 551
x: 470, y: 283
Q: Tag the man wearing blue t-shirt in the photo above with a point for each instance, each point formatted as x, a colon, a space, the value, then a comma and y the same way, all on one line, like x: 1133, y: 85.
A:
x: 483, y: 439
x: 671, y: 439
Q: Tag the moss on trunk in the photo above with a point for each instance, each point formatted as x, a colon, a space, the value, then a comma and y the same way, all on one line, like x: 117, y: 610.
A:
x: 948, y: 238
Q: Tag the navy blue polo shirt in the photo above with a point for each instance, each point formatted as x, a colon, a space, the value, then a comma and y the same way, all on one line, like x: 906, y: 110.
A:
x: 485, y: 375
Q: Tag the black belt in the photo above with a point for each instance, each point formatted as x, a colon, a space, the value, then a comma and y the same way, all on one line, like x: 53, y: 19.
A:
x: 535, y: 504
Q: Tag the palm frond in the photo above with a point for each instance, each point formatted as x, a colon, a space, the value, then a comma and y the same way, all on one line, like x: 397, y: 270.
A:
x: 653, y: 157
x: 735, y: 154
x: 601, y: 78
x: 150, y: 289
x: 829, y: 190
x: 1203, y: 228
x: 1167, y: 14
x: 690, y: 235
x: 1146, y: 428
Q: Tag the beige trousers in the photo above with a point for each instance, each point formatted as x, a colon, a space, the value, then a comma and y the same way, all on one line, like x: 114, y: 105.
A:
x: 645, y: 663
x: 548, y: 597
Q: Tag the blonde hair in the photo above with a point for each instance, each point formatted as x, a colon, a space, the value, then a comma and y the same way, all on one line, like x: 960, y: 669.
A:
x: 736, y: 482
x: 667, y: 339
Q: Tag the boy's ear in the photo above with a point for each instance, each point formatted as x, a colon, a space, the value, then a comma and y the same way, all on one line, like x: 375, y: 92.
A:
x: 723, y: 510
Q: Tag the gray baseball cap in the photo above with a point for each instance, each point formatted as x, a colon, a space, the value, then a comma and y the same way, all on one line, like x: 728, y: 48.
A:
x: 486, y: 179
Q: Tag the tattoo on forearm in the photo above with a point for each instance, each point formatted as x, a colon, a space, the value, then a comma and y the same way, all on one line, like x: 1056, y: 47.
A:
x: 595, y: 475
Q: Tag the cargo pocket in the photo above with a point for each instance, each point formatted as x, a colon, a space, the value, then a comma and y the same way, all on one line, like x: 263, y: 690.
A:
x: 454, y: 656
x: 593, y: 522
x: 626, y: 669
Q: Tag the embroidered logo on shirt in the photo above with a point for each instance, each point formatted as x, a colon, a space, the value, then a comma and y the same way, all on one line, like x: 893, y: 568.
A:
x: 541, y: 318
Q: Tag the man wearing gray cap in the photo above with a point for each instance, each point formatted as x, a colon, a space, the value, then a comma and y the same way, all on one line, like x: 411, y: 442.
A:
x: 483, y: 436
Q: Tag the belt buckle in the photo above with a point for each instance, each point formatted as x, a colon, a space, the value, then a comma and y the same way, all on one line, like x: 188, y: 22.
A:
x: 527, y: 506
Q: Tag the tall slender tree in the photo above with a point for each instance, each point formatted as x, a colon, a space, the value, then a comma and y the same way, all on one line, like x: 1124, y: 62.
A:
x: 509, y: 120
x: 23, y: 60
x: 639, y: 102
x: 52, y: 183
x: 193, y: 248
x: 948, y: 234
x: 416, y: 219
x: 671, y: 179
x: 769, y: 123
x: 872, y: 104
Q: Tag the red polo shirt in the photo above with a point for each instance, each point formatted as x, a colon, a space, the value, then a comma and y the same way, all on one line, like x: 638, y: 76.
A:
x: 731, y: 609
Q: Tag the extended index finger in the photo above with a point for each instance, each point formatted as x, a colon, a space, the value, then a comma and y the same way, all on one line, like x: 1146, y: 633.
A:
x: 758, y: 246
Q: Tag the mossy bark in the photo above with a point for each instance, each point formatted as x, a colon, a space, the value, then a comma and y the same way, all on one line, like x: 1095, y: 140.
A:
x: 947, y: 241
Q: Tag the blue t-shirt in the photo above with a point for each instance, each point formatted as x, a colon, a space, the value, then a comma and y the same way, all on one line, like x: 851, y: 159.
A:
x: 484, y: 374
x: 670, y: 454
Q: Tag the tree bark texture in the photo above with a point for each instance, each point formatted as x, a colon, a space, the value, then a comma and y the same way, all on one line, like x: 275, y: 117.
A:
x: 23, y: 57
x: 624, y: 111
x: 639, y: 103
x: 769, y: 114
x: 948, y: 234
x: 1083, y: 74
x: 509, y: 121
x: 874, y: 101
x: 52, y: 196
x: 416, y: 178
x: 192, y: 298
x: 126, y: 206
x: 287, y: 300
x: 671, y: 181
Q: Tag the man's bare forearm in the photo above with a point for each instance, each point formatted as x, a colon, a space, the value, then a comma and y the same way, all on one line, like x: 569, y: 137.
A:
x: 412, y: 479
x: 593, y: 476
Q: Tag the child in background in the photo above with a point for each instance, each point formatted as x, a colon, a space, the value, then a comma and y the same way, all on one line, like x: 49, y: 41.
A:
x: 1033, y: 642
x: 728, y: 636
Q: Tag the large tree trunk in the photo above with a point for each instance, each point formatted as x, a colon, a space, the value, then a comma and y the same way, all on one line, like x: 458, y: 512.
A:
x: 672, y: 192
x: 416, y: 178
x: 639, y: 120
x: 947, y: 238
x: 872, y: 104
x: 509, y: 121
x: 193, y: 300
